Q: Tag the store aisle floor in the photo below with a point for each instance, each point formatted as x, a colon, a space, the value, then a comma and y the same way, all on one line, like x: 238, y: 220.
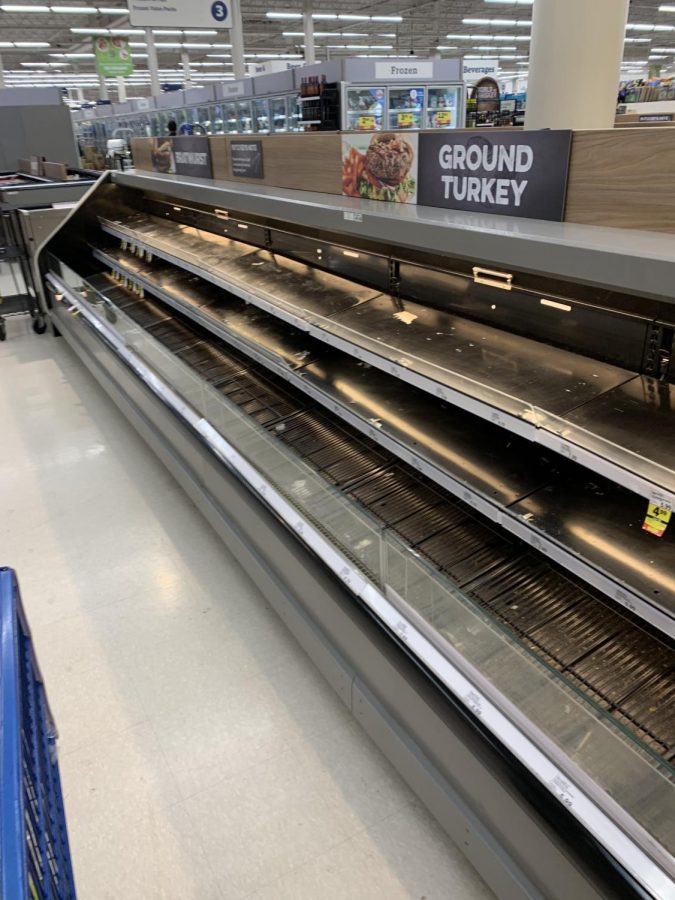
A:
x: 202, y: 754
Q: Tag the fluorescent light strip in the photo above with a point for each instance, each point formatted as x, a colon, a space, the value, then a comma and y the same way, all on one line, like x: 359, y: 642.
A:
x: 328, y: 34
x: 75, y: 10
x: 637, y: 40
x: 488, y: 37
x: 68, y: 10
x: 340, y: 17
x: 632, y: 26
x: 498, y: 23
x: 667, y: 8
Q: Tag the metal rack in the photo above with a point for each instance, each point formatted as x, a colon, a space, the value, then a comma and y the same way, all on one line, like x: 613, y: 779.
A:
x: 34, y: 854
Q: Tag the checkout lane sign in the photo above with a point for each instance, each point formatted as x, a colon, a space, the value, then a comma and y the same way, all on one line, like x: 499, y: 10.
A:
x: 181, y: 13
x: 508, y: 173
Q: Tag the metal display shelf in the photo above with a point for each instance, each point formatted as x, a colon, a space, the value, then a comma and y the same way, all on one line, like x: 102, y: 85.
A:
x: 522, y: 385
x: 616, y: 257
x: 490, y: 608
x: 503, y: 477
x: 566, y: 781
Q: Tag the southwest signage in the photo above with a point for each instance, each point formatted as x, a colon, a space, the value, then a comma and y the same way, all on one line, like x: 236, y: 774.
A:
x: 192, y: 156
x: 182, y: 156
x: 181, y: 13
x: 517, y: 174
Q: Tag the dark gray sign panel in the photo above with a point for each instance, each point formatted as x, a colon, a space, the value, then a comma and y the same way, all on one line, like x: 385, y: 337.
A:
x: 246, y: 159
x: 508, y: 173
x: 192, y: 156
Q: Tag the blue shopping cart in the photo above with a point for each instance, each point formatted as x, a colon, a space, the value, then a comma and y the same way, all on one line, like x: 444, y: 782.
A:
x: 34, y: 856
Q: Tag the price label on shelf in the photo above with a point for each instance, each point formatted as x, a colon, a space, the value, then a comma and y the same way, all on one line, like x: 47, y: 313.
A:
x: 405, y: 119
x: 657, y: 519
x: 563, y: 790
x: 365, y: 123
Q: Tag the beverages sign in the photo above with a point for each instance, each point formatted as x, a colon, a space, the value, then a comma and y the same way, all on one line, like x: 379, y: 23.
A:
x: 474, y: 69
x: 511, y: 174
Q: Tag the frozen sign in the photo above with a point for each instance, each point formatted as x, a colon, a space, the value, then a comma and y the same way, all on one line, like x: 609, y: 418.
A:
x: 511, y: 174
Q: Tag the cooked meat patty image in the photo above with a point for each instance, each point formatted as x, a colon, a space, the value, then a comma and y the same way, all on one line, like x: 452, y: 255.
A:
x: 389, y: 158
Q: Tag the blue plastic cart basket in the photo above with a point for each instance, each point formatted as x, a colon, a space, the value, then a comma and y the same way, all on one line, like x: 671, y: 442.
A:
x: 34, y: 856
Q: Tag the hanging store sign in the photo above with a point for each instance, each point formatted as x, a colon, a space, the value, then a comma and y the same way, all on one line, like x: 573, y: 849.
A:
x: 113, y: 57
x: 511, y: 174
x: 475, y: 69
x: 182, y: 156
x: 181, y: 13
x: 246, y: 159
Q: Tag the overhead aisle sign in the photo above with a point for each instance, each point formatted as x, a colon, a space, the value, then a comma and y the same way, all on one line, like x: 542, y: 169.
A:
x: 113, y: 57
x: 181, y: 13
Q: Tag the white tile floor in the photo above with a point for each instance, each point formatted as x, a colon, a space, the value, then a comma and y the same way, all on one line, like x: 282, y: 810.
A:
x: 202, y: 755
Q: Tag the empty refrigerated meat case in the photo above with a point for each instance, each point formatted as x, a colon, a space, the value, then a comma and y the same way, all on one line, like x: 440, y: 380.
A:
x: 429, y: 443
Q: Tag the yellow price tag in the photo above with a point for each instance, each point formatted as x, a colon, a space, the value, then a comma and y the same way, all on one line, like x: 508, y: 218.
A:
x: 656, y: 520
x: 366, y: 123
x: 443, y: 117
x: 406, y: 119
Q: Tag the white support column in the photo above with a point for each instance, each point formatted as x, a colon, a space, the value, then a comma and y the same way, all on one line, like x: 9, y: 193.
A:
x: 153, y: 68
x: 80, y: 94
x: 575, y: 42
x: 121, y: 89
x: 237, y: 34
x: 187, y: 74
x: 308, y: 27
x: 2, y: 74
x: 102, y: 88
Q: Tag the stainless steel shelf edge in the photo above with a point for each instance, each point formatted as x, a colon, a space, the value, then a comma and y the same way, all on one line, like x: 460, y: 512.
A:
x: 578, y: 801
x: 624, y: 259
x: 388, y: 696
x: 617, y: 591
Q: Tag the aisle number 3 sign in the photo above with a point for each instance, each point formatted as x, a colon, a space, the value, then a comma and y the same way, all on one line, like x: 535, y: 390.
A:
x: 181, y: 13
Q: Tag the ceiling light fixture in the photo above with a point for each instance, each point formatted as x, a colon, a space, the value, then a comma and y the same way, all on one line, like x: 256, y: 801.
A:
x: 75, y: 10
x: 342, y: 17
x: 328, y: 34
x: 498, y: 23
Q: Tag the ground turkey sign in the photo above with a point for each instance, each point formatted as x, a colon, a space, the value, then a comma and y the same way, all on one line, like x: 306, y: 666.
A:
x: 513, y: 174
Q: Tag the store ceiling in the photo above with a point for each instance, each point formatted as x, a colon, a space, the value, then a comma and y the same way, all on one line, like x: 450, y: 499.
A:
x: 30, y: 42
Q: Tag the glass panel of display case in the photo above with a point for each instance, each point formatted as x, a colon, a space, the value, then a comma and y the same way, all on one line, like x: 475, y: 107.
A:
x: 218, y: 126
x: 204, y: 119
x: 443, y: 106
x: 365, y: 108
x: 278, y: 114
x: 230, y: 118
x: 293, y: 112
x: 261, y: 115
x: 244, y: 117
x: 406, y: 107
